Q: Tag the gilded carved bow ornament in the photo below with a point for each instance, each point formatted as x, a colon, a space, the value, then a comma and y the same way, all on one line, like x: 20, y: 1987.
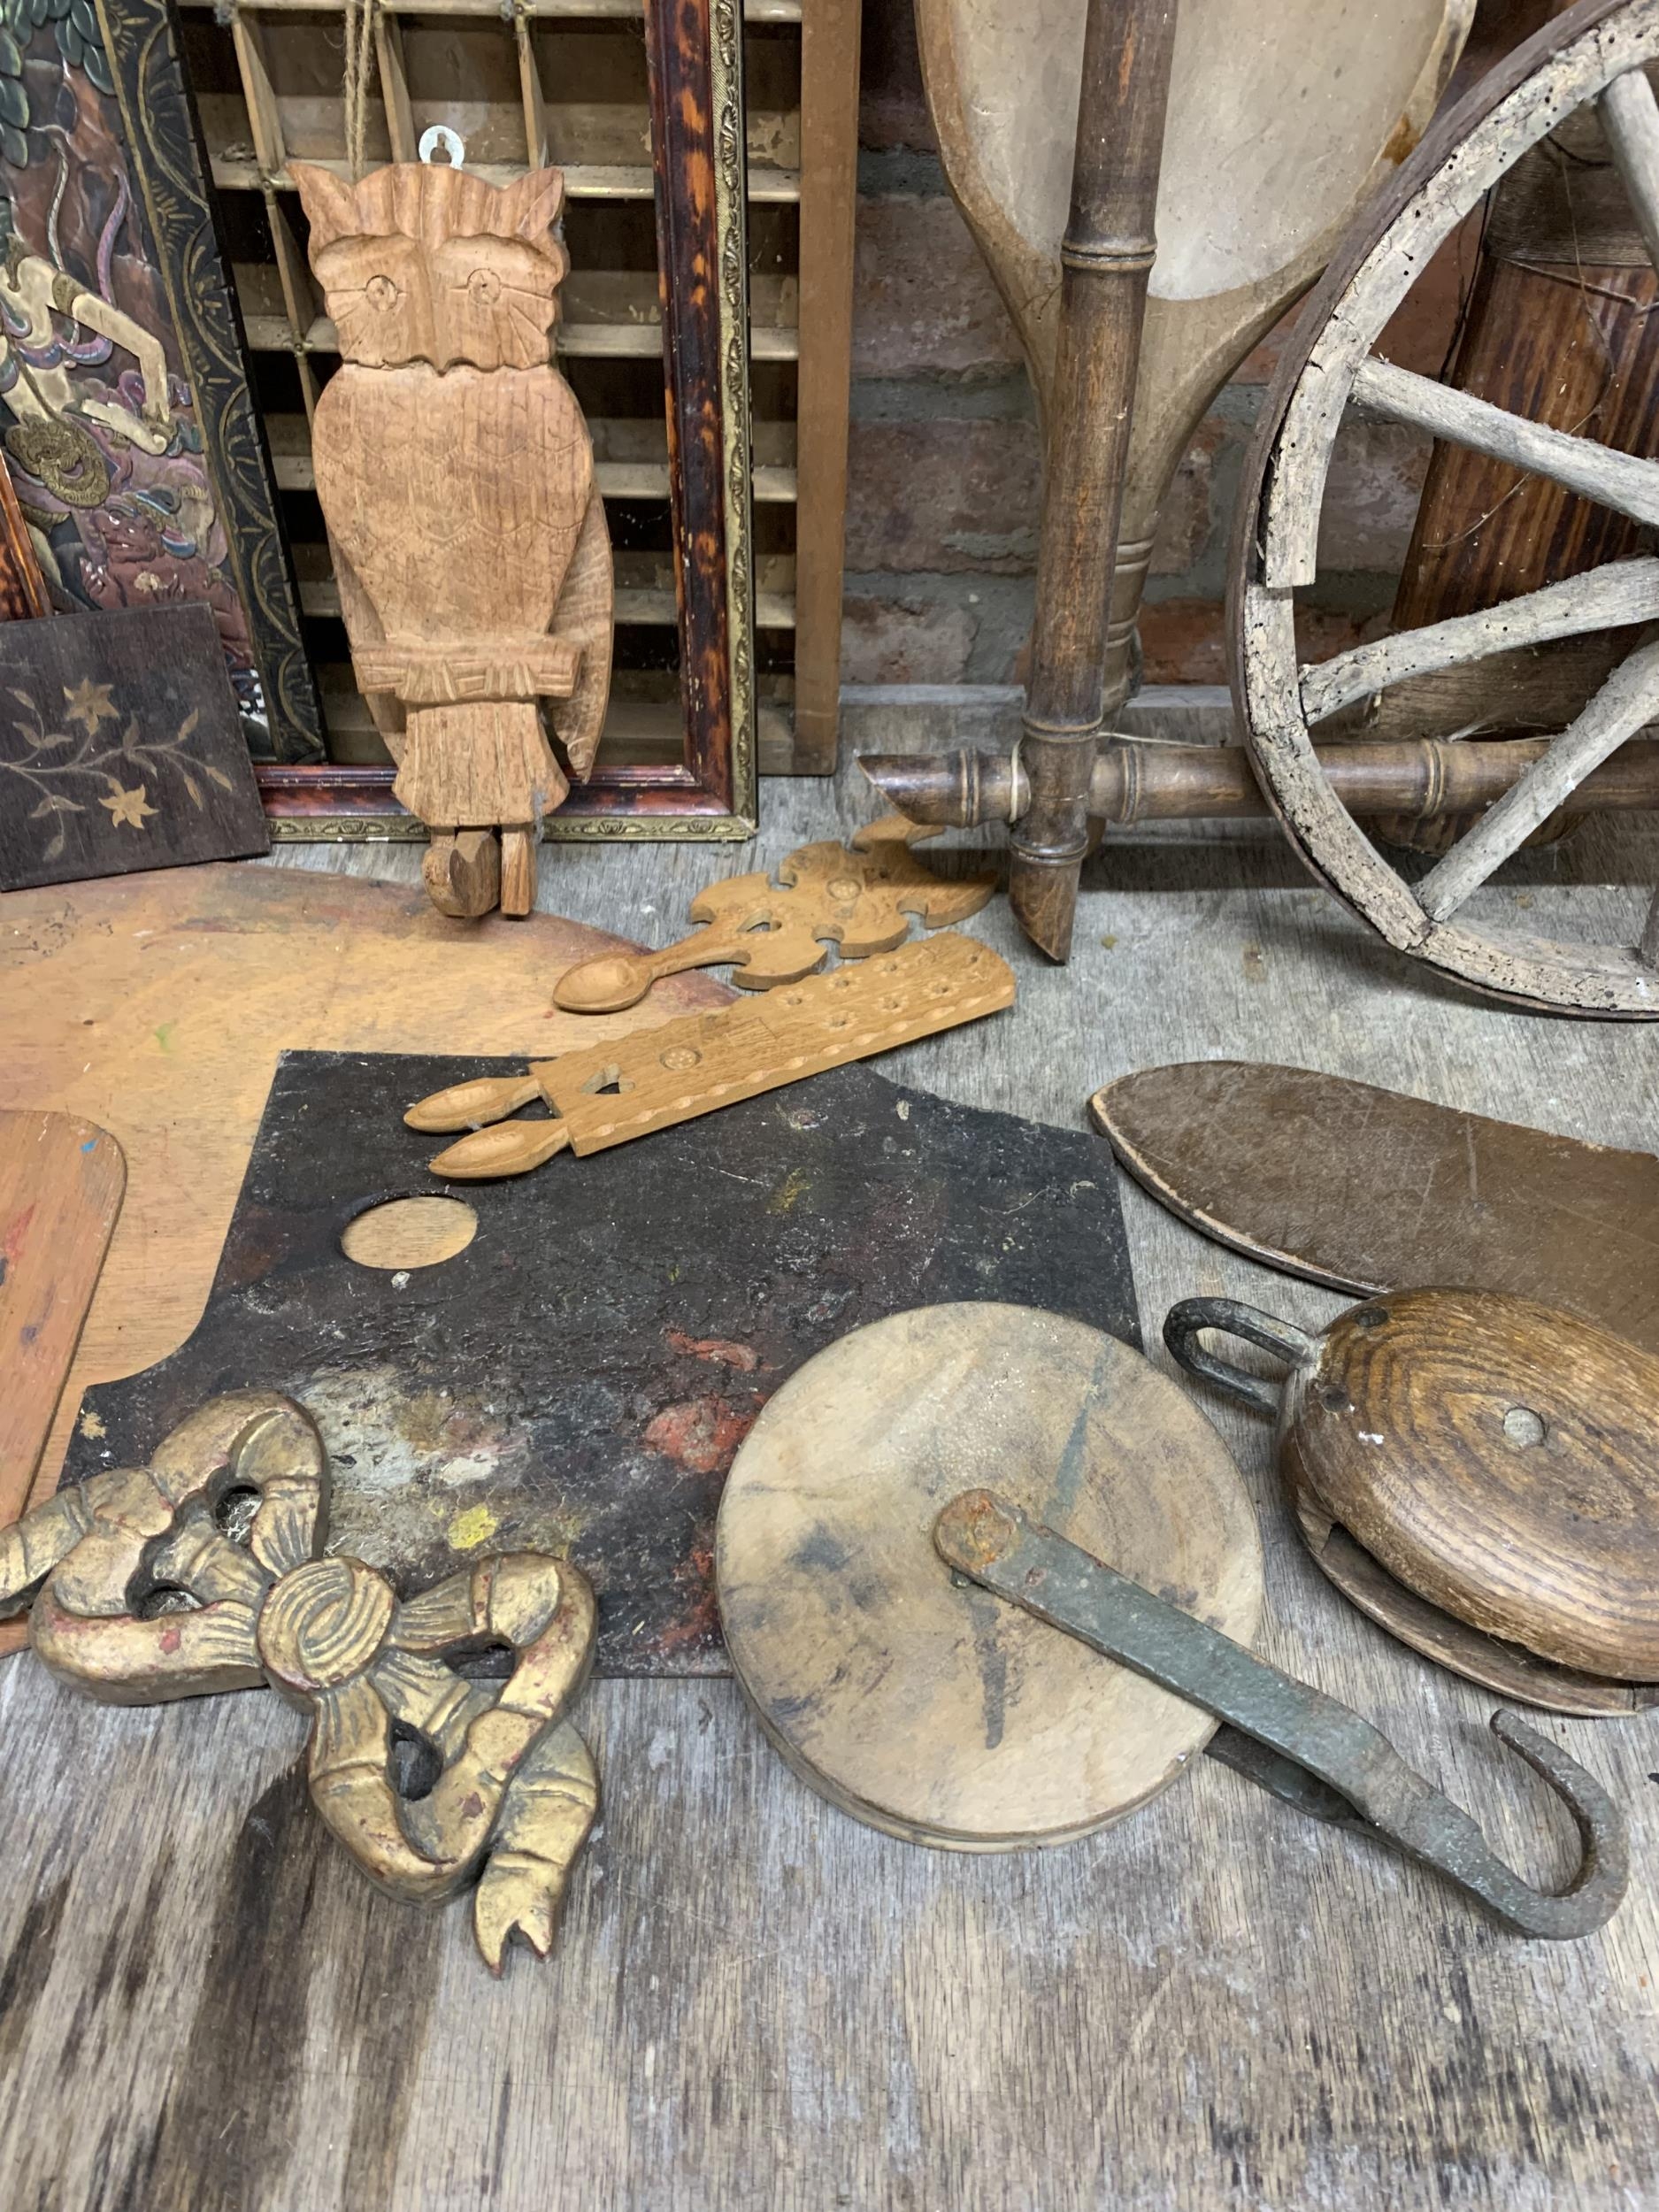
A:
x: 148, y: 1584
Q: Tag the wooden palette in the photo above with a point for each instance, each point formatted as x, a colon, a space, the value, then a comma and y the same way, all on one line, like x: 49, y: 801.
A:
x: 934, y: 1711
x: 157, y: 1006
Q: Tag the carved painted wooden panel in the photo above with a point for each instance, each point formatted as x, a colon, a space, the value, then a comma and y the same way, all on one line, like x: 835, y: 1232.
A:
x: 128, y: 431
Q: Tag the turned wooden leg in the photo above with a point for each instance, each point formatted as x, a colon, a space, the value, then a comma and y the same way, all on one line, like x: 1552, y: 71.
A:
x: 518, y: 868
x: 463, y: 871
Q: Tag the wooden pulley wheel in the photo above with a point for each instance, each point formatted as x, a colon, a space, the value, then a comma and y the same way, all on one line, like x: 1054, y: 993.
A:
x: 1594, y: 57
x: 909, y: 1697
x: 1478, y: 1473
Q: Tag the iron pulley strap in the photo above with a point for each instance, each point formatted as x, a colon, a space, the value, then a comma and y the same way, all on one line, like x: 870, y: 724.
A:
x: 1302, y: 1745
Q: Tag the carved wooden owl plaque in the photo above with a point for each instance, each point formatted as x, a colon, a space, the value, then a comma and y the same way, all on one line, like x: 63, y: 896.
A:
x: 456, y: 475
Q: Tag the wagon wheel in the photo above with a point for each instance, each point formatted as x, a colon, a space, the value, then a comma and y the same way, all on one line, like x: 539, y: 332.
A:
x: 1596, y: 52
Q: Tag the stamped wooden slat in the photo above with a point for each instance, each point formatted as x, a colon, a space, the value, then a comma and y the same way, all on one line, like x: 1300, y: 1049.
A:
x: 1626, y: 702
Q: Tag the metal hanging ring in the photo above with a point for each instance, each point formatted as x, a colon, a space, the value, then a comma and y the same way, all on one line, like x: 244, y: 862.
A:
x: 1184, y: 1323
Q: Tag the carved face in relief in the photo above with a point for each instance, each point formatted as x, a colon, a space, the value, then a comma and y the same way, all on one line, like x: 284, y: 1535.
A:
x: 420, y: 262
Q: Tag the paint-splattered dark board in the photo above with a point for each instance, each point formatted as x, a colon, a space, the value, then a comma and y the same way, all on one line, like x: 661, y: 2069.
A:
x: 581, y: 1375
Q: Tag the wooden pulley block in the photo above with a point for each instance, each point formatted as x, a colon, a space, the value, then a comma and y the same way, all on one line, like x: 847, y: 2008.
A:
x: 1478, y: 1473
x: 912, y: 1698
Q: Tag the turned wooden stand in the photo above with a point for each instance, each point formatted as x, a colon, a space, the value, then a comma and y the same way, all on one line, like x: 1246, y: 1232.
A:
x: 1589, y: 64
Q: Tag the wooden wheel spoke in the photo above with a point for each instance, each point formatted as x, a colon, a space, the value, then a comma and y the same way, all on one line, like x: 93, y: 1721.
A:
x: 1619, y: 480
x: 1604, y: 598
x: 1630, y: 116
x: 1625, y: 703
x: 1647, y: 943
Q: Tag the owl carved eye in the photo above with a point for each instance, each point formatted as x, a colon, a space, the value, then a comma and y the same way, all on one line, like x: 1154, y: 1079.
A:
x: 484, y: 287
x: 380, y: 292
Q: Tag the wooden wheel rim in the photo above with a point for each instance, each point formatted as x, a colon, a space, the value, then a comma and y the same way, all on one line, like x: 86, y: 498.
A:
x: 1570, y: 63
x: 933, y: 1712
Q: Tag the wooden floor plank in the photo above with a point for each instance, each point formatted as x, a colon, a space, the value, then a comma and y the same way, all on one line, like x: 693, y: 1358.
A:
x: 755, y: 2002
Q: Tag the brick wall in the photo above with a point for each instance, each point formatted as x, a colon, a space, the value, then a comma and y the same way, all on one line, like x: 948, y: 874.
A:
x: 944, y: 467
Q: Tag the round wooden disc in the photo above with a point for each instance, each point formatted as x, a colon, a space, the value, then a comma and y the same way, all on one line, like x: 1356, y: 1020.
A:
x: 923, y: 1704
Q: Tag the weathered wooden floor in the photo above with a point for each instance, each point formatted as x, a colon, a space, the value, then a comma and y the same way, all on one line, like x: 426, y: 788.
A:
x: 755, y: 2002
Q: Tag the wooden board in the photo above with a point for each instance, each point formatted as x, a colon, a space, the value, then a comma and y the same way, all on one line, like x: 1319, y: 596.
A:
x: 121, y: 747
x: 61, y: 1190
x: 157, y: 1005
x: 1213, y: 2003
x: 1366, y: 1189
x: 936, y: 1712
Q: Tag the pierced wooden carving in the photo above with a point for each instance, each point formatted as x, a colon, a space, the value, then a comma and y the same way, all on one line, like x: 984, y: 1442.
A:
x: 141, y: 1593
x: 859, y: 899
x: 456, y: 474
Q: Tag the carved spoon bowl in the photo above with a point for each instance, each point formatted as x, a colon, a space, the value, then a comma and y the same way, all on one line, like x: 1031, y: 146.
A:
x: 605, y: 986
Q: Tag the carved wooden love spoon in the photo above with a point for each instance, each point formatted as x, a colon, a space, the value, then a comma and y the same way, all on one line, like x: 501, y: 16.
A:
x: 859, y: 900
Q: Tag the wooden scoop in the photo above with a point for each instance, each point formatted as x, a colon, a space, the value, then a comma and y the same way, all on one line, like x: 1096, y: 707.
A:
x: 1281, y: 120
x: 1478, y: 1473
